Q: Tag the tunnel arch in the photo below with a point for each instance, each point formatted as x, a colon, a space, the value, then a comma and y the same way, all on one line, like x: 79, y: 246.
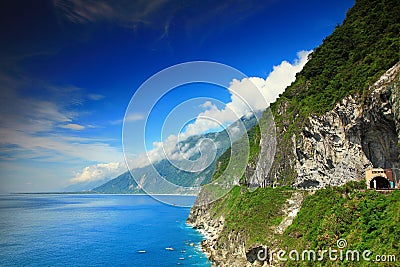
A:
x: 381, y: 183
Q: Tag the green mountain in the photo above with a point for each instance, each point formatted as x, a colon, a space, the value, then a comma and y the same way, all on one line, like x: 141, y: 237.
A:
x: 340, y: 116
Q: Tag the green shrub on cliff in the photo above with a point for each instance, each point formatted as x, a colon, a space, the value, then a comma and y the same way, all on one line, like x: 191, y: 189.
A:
x: 253, y: 214
x: 367, y: 220
x: 348, y: 61
x: 253, y: 136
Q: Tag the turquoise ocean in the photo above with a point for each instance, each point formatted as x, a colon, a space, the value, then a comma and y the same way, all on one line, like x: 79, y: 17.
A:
x: 97, y: 230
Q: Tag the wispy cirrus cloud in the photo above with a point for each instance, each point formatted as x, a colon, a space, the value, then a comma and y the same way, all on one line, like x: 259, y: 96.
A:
x: 73, y: 126
x: 95, y: 97
x: 40, y: 127
x: 130, y: 118
x: 134, y: 117
x: 125, y: 13
x: 164, y: 16
x: 55, y: 148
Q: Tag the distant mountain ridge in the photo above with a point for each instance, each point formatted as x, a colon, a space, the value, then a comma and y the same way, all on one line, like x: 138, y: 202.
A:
x: 126, y: 184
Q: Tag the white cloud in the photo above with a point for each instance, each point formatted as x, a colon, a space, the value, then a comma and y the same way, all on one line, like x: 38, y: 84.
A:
x: 282, y: 76
x: 99, y: 172
x: 134, y: 117
x: 270, y: 88
x: 73, y: 126
x: 95, y: 97
x: 206, y: 105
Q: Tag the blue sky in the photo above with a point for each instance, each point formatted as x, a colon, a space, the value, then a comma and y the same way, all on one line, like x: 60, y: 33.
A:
x: 69, y: 68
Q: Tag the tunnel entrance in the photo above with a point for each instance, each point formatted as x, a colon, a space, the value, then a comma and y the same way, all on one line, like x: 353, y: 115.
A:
x: 379, y: 183
x: 379, y: 140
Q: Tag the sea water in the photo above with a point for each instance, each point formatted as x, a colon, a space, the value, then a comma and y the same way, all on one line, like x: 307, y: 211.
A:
x: 96, y: 230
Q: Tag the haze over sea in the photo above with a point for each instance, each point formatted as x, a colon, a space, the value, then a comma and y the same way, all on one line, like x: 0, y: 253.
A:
x: 94, y: 230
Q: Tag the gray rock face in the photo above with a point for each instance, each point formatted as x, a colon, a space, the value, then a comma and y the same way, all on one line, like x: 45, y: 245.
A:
x: 266, y: 155
x: 292, y: 208
x: 329, y: 151
x: 340, y: 145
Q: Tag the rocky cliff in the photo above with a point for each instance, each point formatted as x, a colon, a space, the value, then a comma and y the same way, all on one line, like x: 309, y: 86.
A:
x: 337, y: 147
x: 331, y: 149
x: 228, y: 248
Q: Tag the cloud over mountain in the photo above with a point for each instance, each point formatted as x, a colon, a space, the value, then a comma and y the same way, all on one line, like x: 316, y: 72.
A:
x: 99, y: 172
x: 248, y: 95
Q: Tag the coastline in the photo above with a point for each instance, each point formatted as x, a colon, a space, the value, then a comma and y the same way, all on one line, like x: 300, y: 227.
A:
x: 202, y: 246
